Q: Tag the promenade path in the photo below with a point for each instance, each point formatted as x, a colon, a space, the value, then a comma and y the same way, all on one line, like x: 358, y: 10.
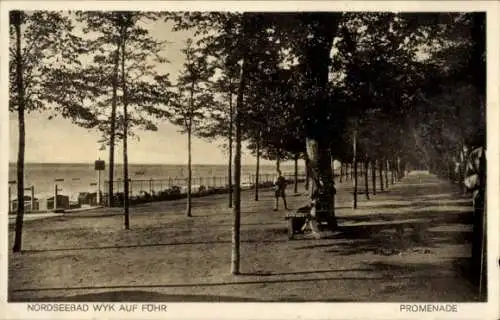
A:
x: 165, y: 256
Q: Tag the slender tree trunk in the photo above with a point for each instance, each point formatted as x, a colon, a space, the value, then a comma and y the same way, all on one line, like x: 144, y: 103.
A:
x: 189, y: 183
x: 393, y: 171
x: 189, y: 132
x: 367, y: 188
x: 112, y: 128
x: 341, y: 171
x: 306, y: 164
x: 374, y: 176
x: 399, y: 175
x: 381, y: 174
x: 125, y: 150
x: 17, y: 17
x: 296, y: 174
x: 355, y: 169
x: 257, y: 170
x: 403, y: 169
x: 230, y: 164
x: 386, y: 162
x: 278, y: 163
x: 235, y: 240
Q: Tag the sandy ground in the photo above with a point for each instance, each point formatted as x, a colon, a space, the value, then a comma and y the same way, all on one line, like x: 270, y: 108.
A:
x: 166, y: 256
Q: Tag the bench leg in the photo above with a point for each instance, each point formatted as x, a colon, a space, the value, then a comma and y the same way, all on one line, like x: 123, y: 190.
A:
x: 400, y: 231
x: 419, y: 233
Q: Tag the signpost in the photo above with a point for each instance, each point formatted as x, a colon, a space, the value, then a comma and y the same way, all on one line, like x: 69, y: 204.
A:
x: 99, y: 166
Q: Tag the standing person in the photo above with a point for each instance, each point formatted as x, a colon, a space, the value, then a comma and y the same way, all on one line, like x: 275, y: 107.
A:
x: 279, y: 190
x: 475, y: 181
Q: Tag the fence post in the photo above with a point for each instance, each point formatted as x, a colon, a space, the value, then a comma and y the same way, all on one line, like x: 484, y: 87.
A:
x: 55, y: 198
x: 32, y: 198
x: 151, y: 186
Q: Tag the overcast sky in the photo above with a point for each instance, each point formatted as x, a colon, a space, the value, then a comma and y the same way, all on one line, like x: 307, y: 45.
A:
x: 58, y: 140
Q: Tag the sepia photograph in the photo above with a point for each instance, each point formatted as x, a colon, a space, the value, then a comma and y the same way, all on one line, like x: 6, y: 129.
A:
x: 162, y: 156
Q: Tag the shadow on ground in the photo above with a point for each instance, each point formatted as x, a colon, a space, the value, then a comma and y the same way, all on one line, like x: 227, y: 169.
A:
x: 433, y: 216
x: 389, y: 238
x: 419, y: 205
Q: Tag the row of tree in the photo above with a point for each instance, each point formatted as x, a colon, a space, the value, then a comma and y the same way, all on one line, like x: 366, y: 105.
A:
x: 350, y: 86
x: 381, y: 88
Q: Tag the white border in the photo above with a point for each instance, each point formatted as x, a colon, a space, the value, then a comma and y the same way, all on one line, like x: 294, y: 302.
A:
x: 488, y: 310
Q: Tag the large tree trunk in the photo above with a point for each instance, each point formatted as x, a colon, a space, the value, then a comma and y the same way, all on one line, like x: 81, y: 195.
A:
x: 374, y: 176
x: 367, y: 189
x: 125, y: 150
x: 112, y: 126
x: 230, y: 142
x: 17, y: 20
x: 257, y: 170
x: 322, y: 177
x: 316, y: 67
x: 189, y: 182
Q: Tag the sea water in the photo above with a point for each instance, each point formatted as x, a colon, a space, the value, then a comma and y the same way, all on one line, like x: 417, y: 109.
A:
x: 81, y: 177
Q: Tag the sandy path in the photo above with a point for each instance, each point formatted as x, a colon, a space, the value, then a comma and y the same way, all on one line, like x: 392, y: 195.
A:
x: 169, y: 257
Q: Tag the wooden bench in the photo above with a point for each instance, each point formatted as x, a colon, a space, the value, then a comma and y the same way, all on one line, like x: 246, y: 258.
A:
x: 296, y: 222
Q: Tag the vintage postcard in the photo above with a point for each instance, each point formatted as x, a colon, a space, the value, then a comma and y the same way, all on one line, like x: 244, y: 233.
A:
x: 249, y: 160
